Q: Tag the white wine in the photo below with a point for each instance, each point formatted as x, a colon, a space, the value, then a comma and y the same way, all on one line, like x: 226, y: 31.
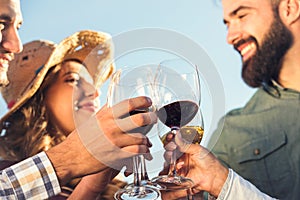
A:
x: 192, y: 134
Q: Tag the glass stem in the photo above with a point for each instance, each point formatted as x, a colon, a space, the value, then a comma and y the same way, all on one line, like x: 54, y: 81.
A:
x: 172, y: 170
x: 139, y: 175
x: 145, y: 177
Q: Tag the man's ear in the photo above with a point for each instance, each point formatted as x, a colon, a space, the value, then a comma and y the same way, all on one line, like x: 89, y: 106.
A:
x: 289, y: 11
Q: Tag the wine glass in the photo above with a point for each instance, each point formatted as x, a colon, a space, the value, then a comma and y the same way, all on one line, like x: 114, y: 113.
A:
x: 192, y: 133
x: 130, y: 82
x: 194, y: 130
x: 177, y: 99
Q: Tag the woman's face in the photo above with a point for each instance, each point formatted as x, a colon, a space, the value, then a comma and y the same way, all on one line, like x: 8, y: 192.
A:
x: 71, y: 98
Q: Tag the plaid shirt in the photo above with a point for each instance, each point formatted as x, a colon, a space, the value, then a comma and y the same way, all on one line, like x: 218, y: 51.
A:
x: 33, y: 178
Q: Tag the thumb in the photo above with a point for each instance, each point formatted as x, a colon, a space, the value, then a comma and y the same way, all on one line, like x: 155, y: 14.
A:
x: 185, y: 146
x: 189, y: 148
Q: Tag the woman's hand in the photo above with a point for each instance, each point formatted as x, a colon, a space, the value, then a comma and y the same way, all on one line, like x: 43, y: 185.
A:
x: 91, y: 186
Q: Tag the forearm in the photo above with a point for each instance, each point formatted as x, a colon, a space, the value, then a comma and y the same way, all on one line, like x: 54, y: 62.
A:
x: 82, y: 191
x: 65, y: 158
x: 67, y: 162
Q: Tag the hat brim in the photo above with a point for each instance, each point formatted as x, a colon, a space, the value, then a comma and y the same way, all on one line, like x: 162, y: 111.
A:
x: 94, y: 49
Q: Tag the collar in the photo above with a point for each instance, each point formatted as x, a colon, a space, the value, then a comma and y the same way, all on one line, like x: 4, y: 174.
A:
x: 276, y: 90
x: 276, y: 84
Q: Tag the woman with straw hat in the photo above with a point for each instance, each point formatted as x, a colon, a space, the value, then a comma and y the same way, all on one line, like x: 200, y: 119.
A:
x: 33, y: 94
x: 51, y: 92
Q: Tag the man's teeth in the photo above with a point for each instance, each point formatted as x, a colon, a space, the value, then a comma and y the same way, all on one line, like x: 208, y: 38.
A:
x: 247, y: 48
x: 4, y: 63
x: 3, y: 59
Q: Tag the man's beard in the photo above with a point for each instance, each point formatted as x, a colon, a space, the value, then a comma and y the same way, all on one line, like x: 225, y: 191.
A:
x: 265, y: 65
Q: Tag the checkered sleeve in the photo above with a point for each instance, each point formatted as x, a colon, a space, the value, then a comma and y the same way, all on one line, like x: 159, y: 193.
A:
x: 33, y: 178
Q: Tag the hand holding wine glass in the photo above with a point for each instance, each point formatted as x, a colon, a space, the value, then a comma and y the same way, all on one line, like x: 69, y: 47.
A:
x: 192, y: 133
x: 201, y: 166
x: 177, y: 97
x: 128, y: 83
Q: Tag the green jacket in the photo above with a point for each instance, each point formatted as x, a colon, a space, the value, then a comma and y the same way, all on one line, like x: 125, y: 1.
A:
x: 261, y: 142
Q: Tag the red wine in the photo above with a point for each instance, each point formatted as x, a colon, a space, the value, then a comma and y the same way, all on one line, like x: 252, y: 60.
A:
x: 178, y: 113
x: 143, y: 129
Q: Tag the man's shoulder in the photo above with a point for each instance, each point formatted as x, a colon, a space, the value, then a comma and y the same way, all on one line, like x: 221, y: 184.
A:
x: 259, y: 102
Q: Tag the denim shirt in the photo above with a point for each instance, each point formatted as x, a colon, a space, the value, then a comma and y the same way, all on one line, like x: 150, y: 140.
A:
x: 261, y: 142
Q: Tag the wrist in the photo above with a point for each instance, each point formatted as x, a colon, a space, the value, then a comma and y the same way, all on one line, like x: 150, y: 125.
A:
x: 219, y: 180
x: 65, y: 160
x: 60, y: 163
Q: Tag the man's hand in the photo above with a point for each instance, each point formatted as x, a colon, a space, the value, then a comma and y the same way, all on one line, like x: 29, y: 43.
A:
x: 198, y: 164
x: 102, y: 141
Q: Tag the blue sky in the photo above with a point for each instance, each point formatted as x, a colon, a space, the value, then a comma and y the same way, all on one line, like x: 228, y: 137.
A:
x: 199, y: 20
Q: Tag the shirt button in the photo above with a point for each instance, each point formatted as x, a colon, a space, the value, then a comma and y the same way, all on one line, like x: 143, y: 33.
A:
x: 256, y: 152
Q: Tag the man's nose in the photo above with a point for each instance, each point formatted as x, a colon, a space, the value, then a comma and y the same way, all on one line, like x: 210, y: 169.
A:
x: 234, y: 33
x: 11, y: 41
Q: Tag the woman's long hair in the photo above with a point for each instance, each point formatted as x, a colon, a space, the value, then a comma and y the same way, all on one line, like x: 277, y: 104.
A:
x: 29, y: 130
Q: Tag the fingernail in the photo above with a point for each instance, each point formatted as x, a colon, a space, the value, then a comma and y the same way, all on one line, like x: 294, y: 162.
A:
x: 149, y: 143
x: 148, y: 156
x: 149, y: 100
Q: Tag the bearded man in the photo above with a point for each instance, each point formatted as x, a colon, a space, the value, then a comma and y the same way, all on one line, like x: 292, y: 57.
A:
x: 261, y: 140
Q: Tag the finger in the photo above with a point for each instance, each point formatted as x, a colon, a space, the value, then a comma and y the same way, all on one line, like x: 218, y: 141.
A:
x: 136, y: 121
x: 127, y: 173
x: 128, y: 168
x: 125, y: 154
x: 170, y: 137
x: 189, y: 148
x: 165, y: 169
x: 148, y: 156
x: 131, y: 139
x: 168, y: 156
x: 129, y: 165
x: 124, y: 107
x: 171, y: 146
x: 182, y: 165
x: 114, y: 173
x: 133, y: 150
x: 185, y: 146
x: 179, y: 165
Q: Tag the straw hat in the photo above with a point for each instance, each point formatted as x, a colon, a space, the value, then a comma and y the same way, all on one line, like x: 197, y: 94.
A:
x: 29, y: 68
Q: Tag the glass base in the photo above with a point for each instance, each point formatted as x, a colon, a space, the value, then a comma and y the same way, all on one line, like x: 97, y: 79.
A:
x: 138, y: 193
x: 147, y: 184
x: 173, y: 182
